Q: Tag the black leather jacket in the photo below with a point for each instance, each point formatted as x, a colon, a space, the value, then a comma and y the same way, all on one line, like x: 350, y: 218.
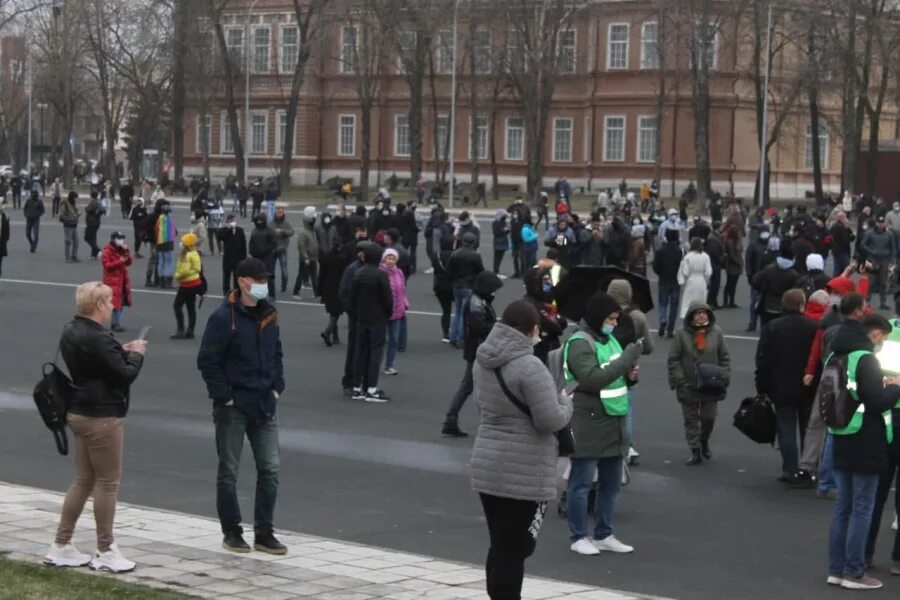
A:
x: 100, y: 369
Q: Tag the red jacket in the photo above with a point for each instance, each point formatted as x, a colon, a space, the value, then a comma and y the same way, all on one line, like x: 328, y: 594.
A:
x: 843, y: 286
x: 115, y: 274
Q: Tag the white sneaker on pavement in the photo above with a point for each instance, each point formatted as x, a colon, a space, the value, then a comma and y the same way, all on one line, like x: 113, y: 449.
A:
x: 611, y: 544
x: 584, y: 547
x: 112, y: 561
x: 66, y: 556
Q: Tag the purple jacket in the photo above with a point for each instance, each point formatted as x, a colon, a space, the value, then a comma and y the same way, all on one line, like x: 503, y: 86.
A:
x: 398, y: 291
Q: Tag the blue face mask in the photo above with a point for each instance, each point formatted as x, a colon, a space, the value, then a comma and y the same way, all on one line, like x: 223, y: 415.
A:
x: 547, y: 287
x: 607, y: 329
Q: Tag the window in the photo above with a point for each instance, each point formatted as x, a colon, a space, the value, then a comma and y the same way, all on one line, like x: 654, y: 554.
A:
x: 234, y: 41
x: 401, y: 135
x: 515, y: 51
x: 347, y: 135
x: 445, y: 52
x: 226, y: 146
x: 258, y: 132
x: 406, y: 49
x: 562, y: 139
x: 443, y: 137
x: 281, y: 132
x: 204, y: 134
x: 614, y: 139
x: 290, y: 48
x: 565, y: 50
x: 705, y: 43
x: 617, y: 54
x: 261, y: 40
x: 648, y: 130
x: 650, y: 45
x: 481, y: 138
x: 349, y: 50
x: 515, y: 138
x: 481, y: 45
x: 823, y: 147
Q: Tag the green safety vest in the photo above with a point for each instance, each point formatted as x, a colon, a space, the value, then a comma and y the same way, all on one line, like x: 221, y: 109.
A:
x: 614, y: 396
x: 856, y: 421
x: 889, y: 355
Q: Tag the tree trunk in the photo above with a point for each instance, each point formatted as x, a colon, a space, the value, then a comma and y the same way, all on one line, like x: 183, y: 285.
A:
x: 701, y: 136
x: 816, y: 146
x: 366, y: 154
x: 231, y: 102
x: 415, y: 128
x: 492, y: 150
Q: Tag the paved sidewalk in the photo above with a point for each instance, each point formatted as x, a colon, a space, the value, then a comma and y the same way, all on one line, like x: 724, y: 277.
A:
x: 183, y: 553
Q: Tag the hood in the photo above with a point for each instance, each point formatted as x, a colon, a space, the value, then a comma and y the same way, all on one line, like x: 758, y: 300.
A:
x: 308, y: 221
x: 694, y: 307
x: 598, y: 308
x: 372, y: 253
x: 620, y: 290
x: 486, y: 284
x: 469, y: 240
x: 533, y: 280
x: 841, y: 285
x: 503, y: 345
x: 815, y: 310
x: 501, y: 214
x: 849, y: 337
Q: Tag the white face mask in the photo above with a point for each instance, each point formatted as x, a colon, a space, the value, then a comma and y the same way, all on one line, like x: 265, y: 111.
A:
x: 119, y: 242
x: 260, y: 291
x: 535, y: 340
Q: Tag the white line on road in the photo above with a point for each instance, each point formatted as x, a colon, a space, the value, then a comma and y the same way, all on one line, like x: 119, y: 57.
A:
x: 418, y: 313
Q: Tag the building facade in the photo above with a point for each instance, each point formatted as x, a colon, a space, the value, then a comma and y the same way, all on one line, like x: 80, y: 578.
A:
x: 604, y: 123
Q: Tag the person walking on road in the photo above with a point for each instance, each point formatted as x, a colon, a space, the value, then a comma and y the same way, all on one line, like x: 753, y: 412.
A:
x: 501, y: 239
x: 56, y: 193
x: 464, y: 265
x: 263, y: 244
x: 116, y: 259
x: 372, y: 305
x: 93, y: 214
x: 389, y: 264
x: 734, y: 266
x: 164, y: 234
x: 102, y: 371
x: 234, y: 250
x: 283, y: 233
x: 344, y: 295
x: 880, y: 249
x: 307, y: 253
x: 189, y: 275
x: 442, y: 286
x: 667, y: 265
x: 693, y: 277
x: 138, y: 217
x: 240, y: 359
x: 515, y: 454
x: 69, y: 217
x: 34, y: 209
x: 773, y: 281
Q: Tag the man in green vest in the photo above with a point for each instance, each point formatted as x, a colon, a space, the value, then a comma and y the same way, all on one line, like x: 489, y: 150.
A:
x: 603, y: 371
x: 860, y: 450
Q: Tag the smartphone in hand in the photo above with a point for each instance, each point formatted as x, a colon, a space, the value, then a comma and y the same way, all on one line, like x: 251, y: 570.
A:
x: 145, y: 331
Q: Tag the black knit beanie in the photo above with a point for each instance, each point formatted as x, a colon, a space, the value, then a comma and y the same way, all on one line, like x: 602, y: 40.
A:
x: 598, y: 308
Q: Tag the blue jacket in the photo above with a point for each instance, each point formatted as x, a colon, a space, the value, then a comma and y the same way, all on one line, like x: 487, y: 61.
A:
x: 240, y: 357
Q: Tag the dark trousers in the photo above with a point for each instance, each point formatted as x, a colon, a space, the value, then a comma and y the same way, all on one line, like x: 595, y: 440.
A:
x: 516, y: 251
x: 712, y: 294
x: 231, y: 427
x: 884, y: 489
x: 466, y: 386
x: 186, y: 296
x: 840, y: 263
x: 370, y: 342
x: 56, y: 203
x: 446, y: 301
x: 229, y: 279
x: 32, y: 232
x: 90, y: 236
x: 699, y: 420
x: 411, y: 250
x: 308, y: 274
x: 214, y: 241
x: 17, y: 199
x: 498, y: 258
x: 731, y: 282
x: 137, y: 238
x: 347, y: 379
x: 669, y: 298
x: 789, y: 417
x: 513, y: 526
x: 878, y: 281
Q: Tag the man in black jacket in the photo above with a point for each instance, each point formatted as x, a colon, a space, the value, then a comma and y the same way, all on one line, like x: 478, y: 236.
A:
x: 371, y: 304
x: 234, y: 250
x: 465, y: 263
x: 356, y: 249
x: 666, y: 262
x: 263, y: 245
x: 715, y: 248
x: 772, y: 282
x: 780, y: 363
x: 478, y: 318
x: 842, y: 238
x: 34, y: 208
x: 860, y: 456
x: 409, y: 234
x: 753, y: 264
x: 92, y: 217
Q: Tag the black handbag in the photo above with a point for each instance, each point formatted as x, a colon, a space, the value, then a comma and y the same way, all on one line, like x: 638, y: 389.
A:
x: 756, y: 419
x: 52, y: 396
x: 711, y: 379
x: 565, y: 437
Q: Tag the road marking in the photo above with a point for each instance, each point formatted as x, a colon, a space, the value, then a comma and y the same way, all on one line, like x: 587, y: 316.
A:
x: 418, y: 313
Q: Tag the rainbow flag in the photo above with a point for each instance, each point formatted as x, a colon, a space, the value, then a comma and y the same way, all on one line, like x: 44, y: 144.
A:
x: 165, y: 229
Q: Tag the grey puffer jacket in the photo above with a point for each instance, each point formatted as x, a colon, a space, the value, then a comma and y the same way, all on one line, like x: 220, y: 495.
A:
x: 514, y: 456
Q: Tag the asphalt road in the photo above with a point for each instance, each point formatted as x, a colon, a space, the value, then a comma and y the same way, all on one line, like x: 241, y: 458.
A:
x: 382, y: 474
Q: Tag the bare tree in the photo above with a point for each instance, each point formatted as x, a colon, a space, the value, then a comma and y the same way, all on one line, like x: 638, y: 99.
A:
x: 230, y: 74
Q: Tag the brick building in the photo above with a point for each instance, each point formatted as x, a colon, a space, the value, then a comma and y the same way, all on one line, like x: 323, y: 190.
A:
x: 602, y: 128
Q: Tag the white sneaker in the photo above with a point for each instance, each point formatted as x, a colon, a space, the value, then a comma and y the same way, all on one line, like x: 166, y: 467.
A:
x: 66, y: 556
x: 112, y: 561
x: 611, y: 544
x: 835, y: 580
x: 633, y: 455
x: 584, y: 547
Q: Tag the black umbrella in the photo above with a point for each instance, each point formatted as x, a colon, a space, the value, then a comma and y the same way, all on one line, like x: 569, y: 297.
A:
x: 582, y: 282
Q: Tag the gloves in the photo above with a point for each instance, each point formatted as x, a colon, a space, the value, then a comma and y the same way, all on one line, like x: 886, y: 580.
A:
x: 632, y: 353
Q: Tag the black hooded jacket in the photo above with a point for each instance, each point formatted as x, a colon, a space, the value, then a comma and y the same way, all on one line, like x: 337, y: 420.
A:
x: 552, y: 324
x: 478, y: 314
x: 465, y: 263
x: 370, y: 292
x: 865, y: 451
x: 263, y: 242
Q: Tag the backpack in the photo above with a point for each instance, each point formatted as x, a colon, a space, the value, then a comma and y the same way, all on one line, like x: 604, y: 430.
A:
x: 756, y: 419
x: 835, y: 404
x: 52, y: 395
x: 625, y: 331
x: 808, y: 285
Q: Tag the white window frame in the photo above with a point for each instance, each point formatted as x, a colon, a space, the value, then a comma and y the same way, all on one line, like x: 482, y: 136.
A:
x: 567, y: 69
x: 714, y: 46
x: 506, y: 145
x: 441, y: 149
x: 444, y: 52
x: 649, y: 60
x: 824, y: 147
x: 555, y: 157
x: 397, y: 118
x: 250, y: 138
x: 349, y: 66
x: 484, y: 63
x: 240, y: 62
x: 609, y: 46
x: 225, y: 129
x: 256, y: 49
x: 606, y: 129
x: 639, y: 146
x: 483, y: 148
x: 340, y: 132
x: 198, y: 144
x: 282, y: 54
x: 279, y: 136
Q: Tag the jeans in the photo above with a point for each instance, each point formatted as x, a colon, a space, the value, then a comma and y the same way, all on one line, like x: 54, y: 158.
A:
x: 282, y: 259
x: 402, y: 336
x: 393, y: 340
x: 878, y: 280
x: 840, y: 263
x: 32, y: 232
x: 270, y: 210
x: 826, y: 480
x: 528, y: 256
x: 370, y: 341
x: 90, y: 236
x: 116, y: 320
x: 231, y: 427
x: 609, y: 481
x: 790, y: 416
x: 754, y: 314
x: 466, y: 387
x: 850, y: 522
x: 166, y: 263
x: 885, y: 481
x: 669, y: 298
x: 70, y: 234
x: 460, y: 296
x: 513, y: 526
x: 515, y: 258
x: 446, y: 302
x: 629, y: 419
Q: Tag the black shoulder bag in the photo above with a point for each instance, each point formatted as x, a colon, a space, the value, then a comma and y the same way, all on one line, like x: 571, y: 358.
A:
x: 565, y: 436
x: 52, y: 396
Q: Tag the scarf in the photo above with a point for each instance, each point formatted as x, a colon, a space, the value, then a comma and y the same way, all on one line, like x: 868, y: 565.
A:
x: 700, y: 339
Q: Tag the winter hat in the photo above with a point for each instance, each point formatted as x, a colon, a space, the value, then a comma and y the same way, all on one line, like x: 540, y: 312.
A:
x: 815, y: 262
x: 189, y: 239
x: 309, y: 212
x: 841, y: 285
x: 598, y: 308
x: 389, y: 252
x: 116, y: 235
x: 500, y: 214
x: 673, y: 211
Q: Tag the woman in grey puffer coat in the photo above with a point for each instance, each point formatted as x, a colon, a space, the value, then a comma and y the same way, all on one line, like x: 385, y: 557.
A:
x: 514, y: 460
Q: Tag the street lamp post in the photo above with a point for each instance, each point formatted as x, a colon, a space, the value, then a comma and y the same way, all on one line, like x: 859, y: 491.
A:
x: 453, y: 108
x: 42, y: 106
x: 247, y: 95
x: 765, y: 116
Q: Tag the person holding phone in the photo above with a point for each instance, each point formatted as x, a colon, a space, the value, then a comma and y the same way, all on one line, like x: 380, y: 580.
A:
x: 116, y: 259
